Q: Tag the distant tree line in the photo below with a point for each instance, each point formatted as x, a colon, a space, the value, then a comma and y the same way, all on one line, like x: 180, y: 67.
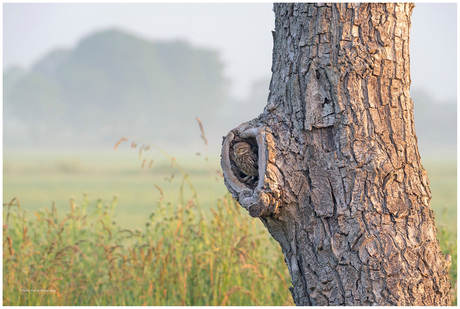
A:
x: 110, y: 85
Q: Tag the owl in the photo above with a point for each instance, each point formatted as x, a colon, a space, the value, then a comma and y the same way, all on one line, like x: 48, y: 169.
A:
x: 245, y: 159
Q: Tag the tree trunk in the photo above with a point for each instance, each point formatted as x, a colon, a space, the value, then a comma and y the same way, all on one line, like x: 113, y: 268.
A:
x: 340, y: 185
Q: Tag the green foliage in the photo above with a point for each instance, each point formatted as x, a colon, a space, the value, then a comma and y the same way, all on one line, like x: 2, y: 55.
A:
x: 180, y: 257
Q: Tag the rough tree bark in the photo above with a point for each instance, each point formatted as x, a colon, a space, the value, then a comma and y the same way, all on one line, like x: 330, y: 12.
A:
x: 340, y: 185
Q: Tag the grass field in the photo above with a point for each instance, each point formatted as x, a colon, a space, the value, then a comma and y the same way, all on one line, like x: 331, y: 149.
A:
x: 39, y: 180
x: 160, y: 219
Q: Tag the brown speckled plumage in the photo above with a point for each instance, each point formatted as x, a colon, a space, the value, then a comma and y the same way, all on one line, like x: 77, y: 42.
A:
x: 246, y: 159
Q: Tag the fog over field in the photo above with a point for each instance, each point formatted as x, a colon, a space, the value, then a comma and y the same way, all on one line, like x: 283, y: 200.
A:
x: 147, y: 70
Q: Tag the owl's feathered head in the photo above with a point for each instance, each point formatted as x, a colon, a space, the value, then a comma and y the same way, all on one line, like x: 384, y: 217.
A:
x: 241, y: 148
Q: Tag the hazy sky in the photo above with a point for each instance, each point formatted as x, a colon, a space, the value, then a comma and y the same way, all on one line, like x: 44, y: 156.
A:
x: 241, y: 32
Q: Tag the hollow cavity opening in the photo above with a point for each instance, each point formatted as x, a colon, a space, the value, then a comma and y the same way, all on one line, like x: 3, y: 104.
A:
x: 245, y: 160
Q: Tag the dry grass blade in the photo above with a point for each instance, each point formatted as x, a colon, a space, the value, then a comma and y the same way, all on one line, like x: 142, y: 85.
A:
x: 203, y: 136
x: 50, y: 222
x: 10, y: 245
x: 25, y: 229
x: 63, y: 221
x: 150, y: 291
x: 161, y: 192
x: 127, y: 231
x: 227, y: 295
x: 254, y: 269
x: 241, y: 290
x: 123, y: 139
x: 106, y: 229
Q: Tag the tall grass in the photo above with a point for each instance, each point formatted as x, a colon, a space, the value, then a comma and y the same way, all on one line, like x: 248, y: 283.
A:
x: 180, y: 257
x: 448, y: 243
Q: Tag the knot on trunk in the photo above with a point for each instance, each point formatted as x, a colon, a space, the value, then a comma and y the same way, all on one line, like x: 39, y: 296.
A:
x: 257, y: 187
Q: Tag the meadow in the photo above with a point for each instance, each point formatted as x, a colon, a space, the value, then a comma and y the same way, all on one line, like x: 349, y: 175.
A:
x: 95, y: 228
x: 45, y: 178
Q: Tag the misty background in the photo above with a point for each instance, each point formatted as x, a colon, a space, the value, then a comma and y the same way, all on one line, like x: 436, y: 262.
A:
x: 81, y: 76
